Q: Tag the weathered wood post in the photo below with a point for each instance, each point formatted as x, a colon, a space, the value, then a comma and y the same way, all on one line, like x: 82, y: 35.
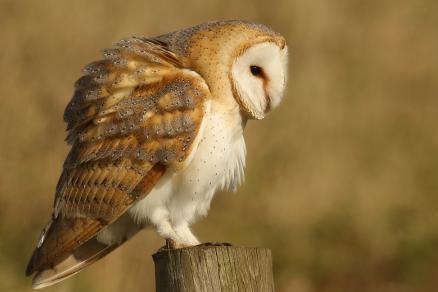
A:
x: 214, y: 268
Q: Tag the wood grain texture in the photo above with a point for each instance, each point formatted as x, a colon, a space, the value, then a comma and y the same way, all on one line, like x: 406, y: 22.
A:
x: 214, y: 268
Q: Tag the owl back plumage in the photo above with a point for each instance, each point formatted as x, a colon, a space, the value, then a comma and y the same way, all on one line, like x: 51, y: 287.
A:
x: 134, y: 115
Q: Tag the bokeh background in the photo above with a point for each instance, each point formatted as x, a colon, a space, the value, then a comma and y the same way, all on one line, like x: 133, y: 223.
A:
x: 342, y: 179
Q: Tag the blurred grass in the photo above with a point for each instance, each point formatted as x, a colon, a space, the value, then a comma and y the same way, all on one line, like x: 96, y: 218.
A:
x: 341, y: 179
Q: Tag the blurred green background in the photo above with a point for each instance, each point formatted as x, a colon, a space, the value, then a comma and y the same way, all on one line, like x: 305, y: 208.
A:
x: 341, y: 181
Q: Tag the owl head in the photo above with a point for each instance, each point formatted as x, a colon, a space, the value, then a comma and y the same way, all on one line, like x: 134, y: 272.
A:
x: 239, y: 60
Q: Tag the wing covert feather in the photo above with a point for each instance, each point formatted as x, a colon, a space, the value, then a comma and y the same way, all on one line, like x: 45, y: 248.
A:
x: 133, y: 115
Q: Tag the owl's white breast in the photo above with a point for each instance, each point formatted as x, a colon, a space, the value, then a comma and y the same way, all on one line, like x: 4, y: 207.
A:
x: 216, y: 163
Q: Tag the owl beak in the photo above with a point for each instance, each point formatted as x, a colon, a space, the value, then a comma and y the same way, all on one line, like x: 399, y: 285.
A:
x: 268, y: 104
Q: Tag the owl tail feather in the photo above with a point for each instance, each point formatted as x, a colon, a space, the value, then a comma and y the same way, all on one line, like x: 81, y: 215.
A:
x: 84, y: 255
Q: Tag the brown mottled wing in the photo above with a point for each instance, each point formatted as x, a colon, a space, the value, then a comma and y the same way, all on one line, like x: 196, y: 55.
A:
x: 133, y: 115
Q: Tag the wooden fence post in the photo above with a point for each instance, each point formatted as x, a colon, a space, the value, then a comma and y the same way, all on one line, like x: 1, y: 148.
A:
x: 214, y: 268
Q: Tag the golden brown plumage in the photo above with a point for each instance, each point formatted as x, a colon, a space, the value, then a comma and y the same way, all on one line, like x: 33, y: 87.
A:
x: 133, y: 115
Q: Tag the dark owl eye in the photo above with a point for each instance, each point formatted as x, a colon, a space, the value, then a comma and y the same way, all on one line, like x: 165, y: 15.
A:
x: 256, y: 70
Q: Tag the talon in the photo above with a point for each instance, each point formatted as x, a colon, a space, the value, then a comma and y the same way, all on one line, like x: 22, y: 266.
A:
x: 172, y: 244
x: 215, y: 244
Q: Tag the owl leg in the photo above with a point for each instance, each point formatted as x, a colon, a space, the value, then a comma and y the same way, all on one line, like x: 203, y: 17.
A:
x: 160, y: 219
x: 184, y: 232
x: 186, y: 236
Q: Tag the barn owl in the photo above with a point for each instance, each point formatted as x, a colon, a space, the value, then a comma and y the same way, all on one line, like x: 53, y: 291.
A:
x: 156, y: 128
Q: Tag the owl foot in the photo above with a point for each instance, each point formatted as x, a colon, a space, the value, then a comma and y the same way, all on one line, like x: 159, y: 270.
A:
x: 215, y: 244
x: 172, y: 244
